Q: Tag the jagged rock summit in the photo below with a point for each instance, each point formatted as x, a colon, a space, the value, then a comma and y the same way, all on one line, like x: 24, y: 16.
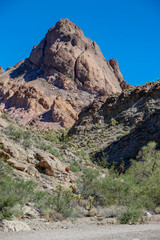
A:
x: 65, y: 49
x: 67, y: 67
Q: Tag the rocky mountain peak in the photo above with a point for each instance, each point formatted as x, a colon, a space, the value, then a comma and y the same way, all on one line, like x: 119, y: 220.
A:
x: 65, y: 25
x: 66, y: 49
x: 65, y: 64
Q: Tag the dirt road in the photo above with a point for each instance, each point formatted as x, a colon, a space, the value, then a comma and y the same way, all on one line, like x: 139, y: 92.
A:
x: 114, y: 232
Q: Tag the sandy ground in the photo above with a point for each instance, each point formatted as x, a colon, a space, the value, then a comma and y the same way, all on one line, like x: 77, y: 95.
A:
x: 112, y: 232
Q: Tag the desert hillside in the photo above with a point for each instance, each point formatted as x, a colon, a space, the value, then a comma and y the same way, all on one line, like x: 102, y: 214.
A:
x: 76, y: 141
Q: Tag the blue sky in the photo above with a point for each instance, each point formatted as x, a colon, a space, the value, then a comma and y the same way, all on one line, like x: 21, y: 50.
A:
x: 127, y: 30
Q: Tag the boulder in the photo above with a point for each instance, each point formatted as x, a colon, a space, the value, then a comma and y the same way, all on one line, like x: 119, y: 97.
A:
x: 45, y: 164
x: 29, y: 211
x: 14, y: 226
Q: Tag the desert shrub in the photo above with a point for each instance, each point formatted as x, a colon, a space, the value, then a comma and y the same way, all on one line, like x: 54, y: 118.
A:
x: 16, y: 192
x: 19, y: 135
x: 131, y: 215
x: 5, y: 115
x: 81, y: 153
x: 113, y: 122
x: 146, y: 172
x: 134, y: 191
x: 49, y: 135
x: 59, y: 201
x: 88, y: 183
x: 58, y: 136
x: 52, y: 150
x: 13, y: 132
x: 141, y: 184
x: 75, y: 167
x: 12, y: 191
x: 105, y: 190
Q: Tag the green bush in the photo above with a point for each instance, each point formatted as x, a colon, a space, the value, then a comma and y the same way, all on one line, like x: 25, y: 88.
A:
x: 59, y: 201
x: 75, y: 167
x: 136, y: 190
x: 113, y: 122
x: 131, y: 215
x: 12, y: 192
x: 141, y: 183
x: 14, y: 133
x: 16, y: 192
x: 88, y: 183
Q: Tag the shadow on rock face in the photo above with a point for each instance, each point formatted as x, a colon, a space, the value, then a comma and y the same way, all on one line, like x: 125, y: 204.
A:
x: 128, y: 146
x: 27, y: 72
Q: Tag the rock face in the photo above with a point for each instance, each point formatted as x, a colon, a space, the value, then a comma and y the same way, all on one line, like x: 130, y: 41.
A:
x: 120, y: 125
x: 65, y: 49
x: 63, y: 113
x: 65, y: 64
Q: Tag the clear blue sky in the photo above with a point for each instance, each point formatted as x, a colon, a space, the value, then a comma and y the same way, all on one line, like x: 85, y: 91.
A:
x: 127, y: 30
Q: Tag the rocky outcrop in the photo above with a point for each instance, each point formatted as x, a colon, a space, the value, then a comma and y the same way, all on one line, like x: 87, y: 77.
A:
x: 45, y: 164
x: 66, y: 49
x: 121, y: 124
x: 63, y: 113
x: 66, y: 83
x: 65, y: 64
x: 33, y: 163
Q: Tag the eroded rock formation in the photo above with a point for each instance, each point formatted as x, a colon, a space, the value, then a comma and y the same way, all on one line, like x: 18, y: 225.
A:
x: 64, y: 64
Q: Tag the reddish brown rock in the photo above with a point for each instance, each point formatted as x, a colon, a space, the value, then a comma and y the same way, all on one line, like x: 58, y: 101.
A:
x: 65, y: 64
x: 17, y: 164
x: 63, y: 112
x: 66, y: 49
x: 67, y: 169
x: 66, y: 83
x: 45, y: 164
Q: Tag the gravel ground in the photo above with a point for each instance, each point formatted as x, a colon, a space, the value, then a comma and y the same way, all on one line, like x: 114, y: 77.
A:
x: 112, y: 232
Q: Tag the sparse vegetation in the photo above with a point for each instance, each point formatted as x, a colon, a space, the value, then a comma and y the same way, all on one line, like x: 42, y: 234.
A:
x: 130, y: 192
x: 75, y: 167
x: 113, y: 122
x: 13, y: 192
x: 27, y: 138
x: 68, y: 76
